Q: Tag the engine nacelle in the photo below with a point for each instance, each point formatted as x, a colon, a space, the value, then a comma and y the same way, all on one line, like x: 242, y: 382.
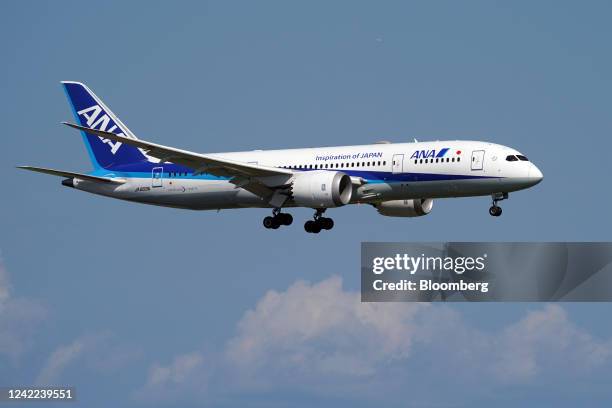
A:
x: 322, y: 189
x: 405, y: 208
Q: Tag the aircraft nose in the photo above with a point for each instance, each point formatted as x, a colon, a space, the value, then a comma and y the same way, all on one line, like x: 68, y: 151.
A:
x: 535, y: 174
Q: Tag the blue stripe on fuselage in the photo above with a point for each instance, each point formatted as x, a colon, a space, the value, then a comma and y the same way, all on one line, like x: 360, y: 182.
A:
x: 144, y: 169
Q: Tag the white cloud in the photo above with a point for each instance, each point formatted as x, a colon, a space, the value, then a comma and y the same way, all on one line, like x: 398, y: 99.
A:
x: 177, y: 372
x: 314, y: 331
x: 59, y: 360
x: 185, y: 374
x: 317, y: 329
x: 18, y: 319
x: 546, y: 338
x: 95, y: 351
x: 321, y: 337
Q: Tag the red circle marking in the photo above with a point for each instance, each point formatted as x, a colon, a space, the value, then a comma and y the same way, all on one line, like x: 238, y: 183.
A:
x: 458, y: 151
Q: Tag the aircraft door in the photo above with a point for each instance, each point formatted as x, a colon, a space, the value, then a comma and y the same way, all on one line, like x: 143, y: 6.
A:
x: 157, y: 176
x: 478, y: 159
x: 398, y: 163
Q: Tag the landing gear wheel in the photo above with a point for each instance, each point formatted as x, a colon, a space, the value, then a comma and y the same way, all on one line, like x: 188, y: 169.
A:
x: 271, y: 222
x: 495, y: 211
x: 277, y: 219
x: 319, y: 223
x: 285, y: 218
x: 326, y: 223
x: 315, y: 228
x: 309, y: 226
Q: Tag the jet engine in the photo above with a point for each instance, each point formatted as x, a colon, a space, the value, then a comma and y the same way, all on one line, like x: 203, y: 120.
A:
x: 405, y: 208
x: 321, y: 189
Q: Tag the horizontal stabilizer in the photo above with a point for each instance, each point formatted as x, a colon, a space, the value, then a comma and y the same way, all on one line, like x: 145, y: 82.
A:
x: 70, y: 174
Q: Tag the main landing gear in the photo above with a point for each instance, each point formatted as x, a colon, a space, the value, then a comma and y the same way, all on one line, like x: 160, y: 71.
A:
x: 319, y: 223
x: 314, y: 226
x: 496, y: 210
x: 278, y: 218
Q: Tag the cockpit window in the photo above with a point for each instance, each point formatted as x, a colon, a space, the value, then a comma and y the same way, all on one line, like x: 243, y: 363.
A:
x: 511, y: 158
x: 522, y: 158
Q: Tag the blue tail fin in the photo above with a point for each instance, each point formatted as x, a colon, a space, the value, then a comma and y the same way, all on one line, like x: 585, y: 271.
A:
x: 91, y: 112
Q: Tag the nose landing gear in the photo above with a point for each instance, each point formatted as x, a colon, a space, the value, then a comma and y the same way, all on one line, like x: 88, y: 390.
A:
x: 319, y: 223
x: 496, y: 210
x: 278, y: 218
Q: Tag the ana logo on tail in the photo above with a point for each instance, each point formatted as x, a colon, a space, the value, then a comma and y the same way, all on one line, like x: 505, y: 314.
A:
x: 95, y: 121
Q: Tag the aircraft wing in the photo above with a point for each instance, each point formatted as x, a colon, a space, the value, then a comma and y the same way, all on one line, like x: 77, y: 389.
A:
x: 200, y: 163
x: 70, y: 174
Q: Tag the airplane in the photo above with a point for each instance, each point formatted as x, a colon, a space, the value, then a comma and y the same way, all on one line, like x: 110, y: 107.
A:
x: 397, y: 179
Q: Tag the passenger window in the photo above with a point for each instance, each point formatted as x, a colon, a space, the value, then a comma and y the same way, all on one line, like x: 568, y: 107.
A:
x: 453, y: 159
x: 384, y: 163
x: 447, y: 159
x: 511, y: 158
x: 458, y: 158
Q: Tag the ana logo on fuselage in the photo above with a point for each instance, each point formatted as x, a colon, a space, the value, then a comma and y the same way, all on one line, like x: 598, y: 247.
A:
x: 426, y: 154
x: 101, y: 122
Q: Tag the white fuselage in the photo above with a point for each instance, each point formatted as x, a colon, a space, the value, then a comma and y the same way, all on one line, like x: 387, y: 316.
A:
x: 381, y: 172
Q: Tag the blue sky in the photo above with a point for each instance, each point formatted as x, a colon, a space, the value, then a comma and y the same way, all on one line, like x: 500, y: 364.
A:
x: 136, y: 305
